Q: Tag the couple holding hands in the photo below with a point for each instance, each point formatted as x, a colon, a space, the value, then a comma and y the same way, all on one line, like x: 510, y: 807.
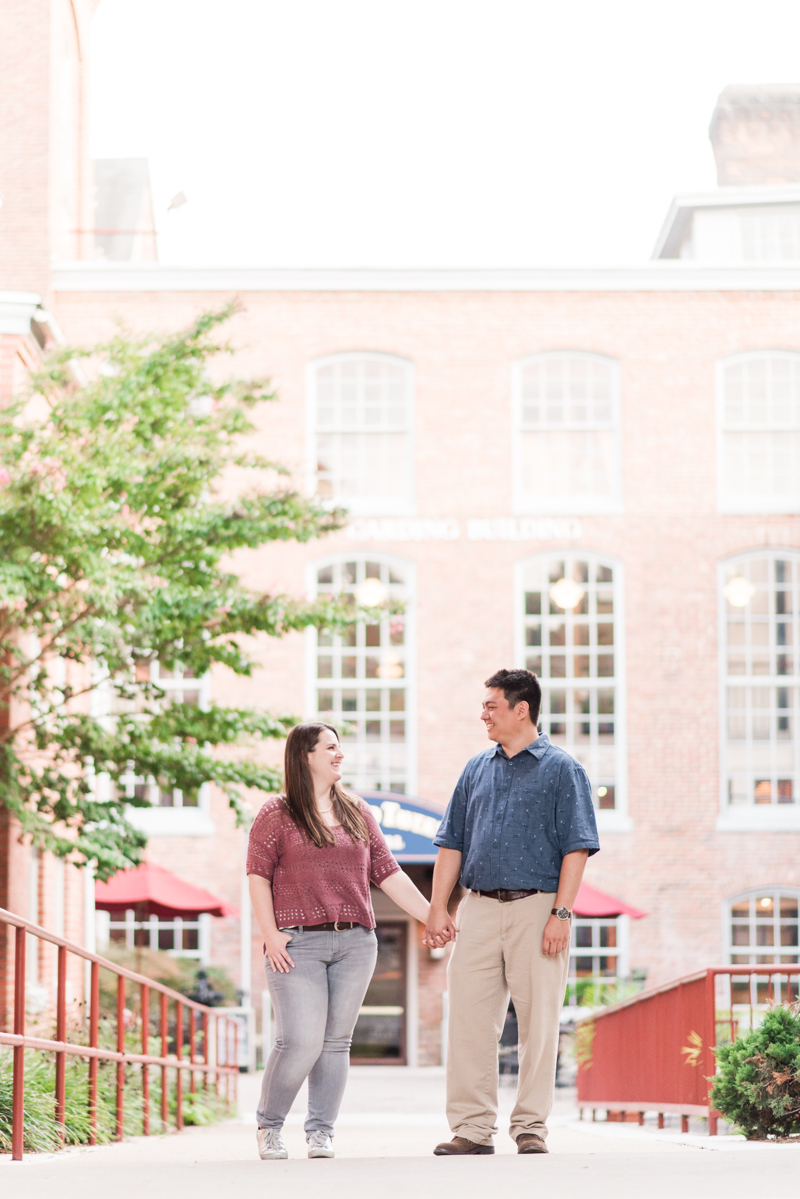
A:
x: 516, y: 835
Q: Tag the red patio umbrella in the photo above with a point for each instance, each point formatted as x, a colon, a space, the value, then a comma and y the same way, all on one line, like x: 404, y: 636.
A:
x: 154, y: 891
x: 591, y: 902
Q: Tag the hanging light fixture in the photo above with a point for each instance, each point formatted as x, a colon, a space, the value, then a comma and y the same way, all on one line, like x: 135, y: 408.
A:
x: 371, y: 593
x: 566, y: 593
x: 739, y: 591
x: 391, y: 667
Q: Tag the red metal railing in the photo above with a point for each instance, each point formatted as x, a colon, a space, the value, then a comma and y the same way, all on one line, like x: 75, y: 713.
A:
x: 655, y: 1052
x: 220, y: 1047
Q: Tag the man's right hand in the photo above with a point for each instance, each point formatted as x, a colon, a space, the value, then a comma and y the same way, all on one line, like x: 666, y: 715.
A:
x: 440, y: 928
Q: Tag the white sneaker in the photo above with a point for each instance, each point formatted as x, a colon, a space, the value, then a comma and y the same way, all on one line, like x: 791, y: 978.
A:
x: 320, y: 1145
x: 270, y: 1144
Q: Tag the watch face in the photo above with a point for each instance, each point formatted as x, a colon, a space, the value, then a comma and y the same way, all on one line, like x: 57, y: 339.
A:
x: 563, y: 913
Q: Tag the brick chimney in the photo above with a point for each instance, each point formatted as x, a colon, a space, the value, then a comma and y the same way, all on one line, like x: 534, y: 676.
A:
x: 755, y: 133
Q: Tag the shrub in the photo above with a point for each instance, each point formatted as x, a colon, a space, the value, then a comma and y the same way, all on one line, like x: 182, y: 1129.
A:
x: 758, y: 1081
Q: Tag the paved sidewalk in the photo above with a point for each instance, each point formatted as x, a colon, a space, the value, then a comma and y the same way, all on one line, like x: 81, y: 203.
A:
x: 390, y: 1121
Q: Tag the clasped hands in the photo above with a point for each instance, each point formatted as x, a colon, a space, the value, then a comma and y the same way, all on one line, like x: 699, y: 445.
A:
x: 440, y: 929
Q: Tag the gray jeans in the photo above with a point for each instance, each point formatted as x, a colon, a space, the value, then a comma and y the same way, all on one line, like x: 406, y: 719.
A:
x: 315, y: 1009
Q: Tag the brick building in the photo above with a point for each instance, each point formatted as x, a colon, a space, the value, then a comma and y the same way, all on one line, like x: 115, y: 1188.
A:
x: 593, y: 473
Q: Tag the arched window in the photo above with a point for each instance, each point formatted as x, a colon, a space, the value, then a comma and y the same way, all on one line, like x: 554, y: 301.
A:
x: 760, y: 643
x: 763, y: 927
x: 570, y: 633
x: 362, y: 678
x: 758, y: 409
x: 361, y: 452
x: 566, y: 443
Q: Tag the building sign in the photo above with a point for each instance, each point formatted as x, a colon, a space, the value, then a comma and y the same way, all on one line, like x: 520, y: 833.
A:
x: 477, y: 528
x: 408, y: 826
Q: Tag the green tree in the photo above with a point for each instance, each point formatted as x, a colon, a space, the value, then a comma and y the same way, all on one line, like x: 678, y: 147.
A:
x: 115, y: 540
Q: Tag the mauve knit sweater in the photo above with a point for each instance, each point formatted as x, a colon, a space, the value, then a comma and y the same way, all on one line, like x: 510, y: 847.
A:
x: 312, y: 885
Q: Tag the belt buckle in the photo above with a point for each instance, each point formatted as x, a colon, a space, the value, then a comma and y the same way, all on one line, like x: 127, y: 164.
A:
x: 502, y: 894
x: 336, y: 928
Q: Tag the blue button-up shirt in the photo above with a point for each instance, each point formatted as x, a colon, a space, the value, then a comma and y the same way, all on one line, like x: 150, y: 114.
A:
x: 514, y: 819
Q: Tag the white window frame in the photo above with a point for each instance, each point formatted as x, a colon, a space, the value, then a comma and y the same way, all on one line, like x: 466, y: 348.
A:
x: 524, y: 504
x: 408, y: 569
x: 774, y: 892
x: 747, y: 817
x: 620, y: 951
x: 742, y: 505
x: 617, y: 819
x: 365, y: 505
x: 154, y: 925
x: 175, y: 821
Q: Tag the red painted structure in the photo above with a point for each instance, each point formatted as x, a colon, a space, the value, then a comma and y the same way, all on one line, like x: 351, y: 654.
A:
x: 655, y: 1052
x: 220, y: 1046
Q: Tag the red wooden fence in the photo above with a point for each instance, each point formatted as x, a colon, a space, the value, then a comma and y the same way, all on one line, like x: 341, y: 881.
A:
x: 655, y: 1052
x: 220, y: 1044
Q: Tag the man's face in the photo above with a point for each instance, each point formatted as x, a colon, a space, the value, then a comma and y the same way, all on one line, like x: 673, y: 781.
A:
x: 500, y: 720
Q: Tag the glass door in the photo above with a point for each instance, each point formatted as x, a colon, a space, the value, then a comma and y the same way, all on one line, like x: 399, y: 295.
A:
x: 380, y: 1032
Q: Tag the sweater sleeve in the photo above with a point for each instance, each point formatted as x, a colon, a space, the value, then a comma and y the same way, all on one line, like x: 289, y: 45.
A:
x: 263, y: 846
x: 381, y: 863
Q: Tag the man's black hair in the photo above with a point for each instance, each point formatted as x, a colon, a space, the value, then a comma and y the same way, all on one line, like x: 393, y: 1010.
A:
x: 517, y: 685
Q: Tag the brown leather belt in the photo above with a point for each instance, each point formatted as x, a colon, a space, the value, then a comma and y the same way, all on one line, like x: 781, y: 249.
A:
x: 332, y: 926
x: 508, y: 896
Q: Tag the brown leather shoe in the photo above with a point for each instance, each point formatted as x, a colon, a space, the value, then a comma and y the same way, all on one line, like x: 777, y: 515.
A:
x: 459, y: 1146
x: 529, y: 1142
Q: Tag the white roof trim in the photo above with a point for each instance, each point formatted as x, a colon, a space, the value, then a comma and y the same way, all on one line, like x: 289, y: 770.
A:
x: 16, y: 310
x: 667, y: 275
x: 728, y: 197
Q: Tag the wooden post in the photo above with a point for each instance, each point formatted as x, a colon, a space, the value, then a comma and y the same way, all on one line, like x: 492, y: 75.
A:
x: 144, y: 1004
x: 192, y: 1035
x: 164, y: 1053
x: 206, y: 1043
x: 94, y: 1027
x: 18, y: 1092
x: 179, y: 1071
x: 120, y: 1102
x: 61, y: 1035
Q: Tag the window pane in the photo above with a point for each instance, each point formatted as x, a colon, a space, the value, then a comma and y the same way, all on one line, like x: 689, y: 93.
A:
x: 761, y: 429
x: 579, y: 691
x: 375, y: 738
x: 363, y: 440
x: 760, y: 598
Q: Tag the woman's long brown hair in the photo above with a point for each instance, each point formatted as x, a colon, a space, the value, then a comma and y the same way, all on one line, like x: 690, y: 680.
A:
x: 298, y: 790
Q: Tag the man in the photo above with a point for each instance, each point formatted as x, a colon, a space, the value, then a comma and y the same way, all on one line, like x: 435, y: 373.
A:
x: 517, y: 833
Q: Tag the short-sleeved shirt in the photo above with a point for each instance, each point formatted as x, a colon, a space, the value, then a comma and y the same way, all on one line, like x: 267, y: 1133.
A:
x: 514, y: 819
x: 316, y: 884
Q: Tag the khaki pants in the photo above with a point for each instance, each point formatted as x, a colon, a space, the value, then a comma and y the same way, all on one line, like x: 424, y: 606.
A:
x: 499, y: 951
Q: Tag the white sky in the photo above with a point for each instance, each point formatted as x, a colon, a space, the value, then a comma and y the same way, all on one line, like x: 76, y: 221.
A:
x: 431, y: 133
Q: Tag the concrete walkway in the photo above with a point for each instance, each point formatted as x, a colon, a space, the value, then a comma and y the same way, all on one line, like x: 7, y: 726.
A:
x: 390, y: 1121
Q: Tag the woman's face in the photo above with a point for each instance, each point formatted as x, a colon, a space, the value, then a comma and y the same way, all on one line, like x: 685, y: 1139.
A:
x: 325, y: 760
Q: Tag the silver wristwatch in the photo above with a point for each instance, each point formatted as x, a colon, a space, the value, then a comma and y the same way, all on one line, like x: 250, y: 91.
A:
x: 562, y: 913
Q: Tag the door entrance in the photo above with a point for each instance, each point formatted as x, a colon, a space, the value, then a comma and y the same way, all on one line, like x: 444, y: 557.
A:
x: 380, y: 1033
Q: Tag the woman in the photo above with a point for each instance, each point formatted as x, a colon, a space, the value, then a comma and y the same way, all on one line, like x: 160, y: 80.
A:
x: 312, y: 855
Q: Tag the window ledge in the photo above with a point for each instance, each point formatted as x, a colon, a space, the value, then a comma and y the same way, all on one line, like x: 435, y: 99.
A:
x: 777, y: 819
x: 172, y: 822
x: 613, y: 822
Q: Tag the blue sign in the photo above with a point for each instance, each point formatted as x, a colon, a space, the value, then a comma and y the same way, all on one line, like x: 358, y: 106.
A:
x: 408, y: 826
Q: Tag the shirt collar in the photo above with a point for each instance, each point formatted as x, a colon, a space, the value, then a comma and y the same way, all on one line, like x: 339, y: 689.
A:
x: 537, y: 748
